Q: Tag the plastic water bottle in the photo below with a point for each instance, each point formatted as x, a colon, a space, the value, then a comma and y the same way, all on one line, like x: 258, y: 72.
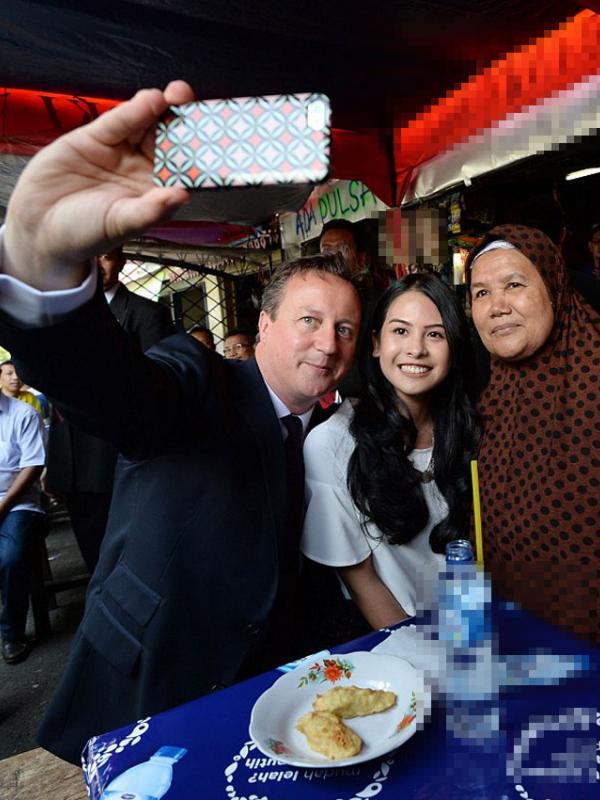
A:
x: 469, y: 680
x: 150, y: 780
x: 464, y: 626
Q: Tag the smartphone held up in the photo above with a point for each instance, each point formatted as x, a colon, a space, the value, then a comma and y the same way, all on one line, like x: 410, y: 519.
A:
x: 245, y: 141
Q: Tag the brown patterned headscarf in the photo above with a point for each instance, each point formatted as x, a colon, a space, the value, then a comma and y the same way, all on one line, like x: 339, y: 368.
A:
x: 539, y: 461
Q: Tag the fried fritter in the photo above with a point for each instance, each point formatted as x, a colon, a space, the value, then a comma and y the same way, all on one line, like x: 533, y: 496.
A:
x: 327, y: 734
x: 353, y: 701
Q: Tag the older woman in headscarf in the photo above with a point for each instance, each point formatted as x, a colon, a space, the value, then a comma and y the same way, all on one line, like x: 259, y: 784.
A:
x: 539, y: 460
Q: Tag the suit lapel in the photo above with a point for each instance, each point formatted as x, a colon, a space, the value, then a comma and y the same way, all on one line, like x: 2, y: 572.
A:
x: 254, y: 402
x: 119, y: 304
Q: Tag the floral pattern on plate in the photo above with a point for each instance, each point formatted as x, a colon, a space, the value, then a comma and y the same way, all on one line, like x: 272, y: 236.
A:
x: 410, y: 714
x: 278, y: 747
x: 330, y: 669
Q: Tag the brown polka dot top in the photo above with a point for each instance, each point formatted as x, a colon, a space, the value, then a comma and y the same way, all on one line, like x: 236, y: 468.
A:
x: 539, y: 459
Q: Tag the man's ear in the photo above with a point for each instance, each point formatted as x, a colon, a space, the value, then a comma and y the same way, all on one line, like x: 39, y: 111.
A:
x: 264, y: 322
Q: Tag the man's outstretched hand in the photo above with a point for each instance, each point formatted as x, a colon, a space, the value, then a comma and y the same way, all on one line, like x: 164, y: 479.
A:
x: 89, y: 191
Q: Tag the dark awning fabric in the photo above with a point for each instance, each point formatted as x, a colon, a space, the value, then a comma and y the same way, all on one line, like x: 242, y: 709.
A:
x: 381, y: 63
x: 372, y: 59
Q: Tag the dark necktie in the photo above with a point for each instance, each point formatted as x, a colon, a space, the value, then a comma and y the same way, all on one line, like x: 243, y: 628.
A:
x: 295, y: 479
x: 273, y: 646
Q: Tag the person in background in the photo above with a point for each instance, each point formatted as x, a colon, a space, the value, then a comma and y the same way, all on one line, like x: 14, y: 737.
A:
x: 43, y: 401
x: 238, y: 345
x: 12, y: 386
x: 22, y: 519
x: 148, y: 322
x: 539, y: 460
x: 387, y: 479
x: 203, y: 335
x: 343, y: 237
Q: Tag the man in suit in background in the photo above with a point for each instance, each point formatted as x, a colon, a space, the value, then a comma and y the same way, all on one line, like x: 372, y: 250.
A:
x: 148, y: 322
x: 81, y: 467
x: 200, y: 557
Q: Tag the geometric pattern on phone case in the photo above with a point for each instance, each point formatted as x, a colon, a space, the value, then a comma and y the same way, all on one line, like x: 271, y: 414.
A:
x: 246, y: 140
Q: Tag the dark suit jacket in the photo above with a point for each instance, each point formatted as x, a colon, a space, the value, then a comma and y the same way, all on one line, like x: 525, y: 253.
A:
x: 148, y: 322
x: 188, y: 571
x: 77, y: 461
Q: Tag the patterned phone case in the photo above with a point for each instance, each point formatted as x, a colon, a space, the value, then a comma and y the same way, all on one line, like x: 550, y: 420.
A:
x: 246, y: 141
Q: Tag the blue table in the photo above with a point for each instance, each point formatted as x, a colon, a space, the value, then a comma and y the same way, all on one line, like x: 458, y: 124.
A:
x: 221, y: 761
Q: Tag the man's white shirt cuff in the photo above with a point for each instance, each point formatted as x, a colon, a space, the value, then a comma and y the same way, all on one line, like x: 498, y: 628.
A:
x: 32, y: 308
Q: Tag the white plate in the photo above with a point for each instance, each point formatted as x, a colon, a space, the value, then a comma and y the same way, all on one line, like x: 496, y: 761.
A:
x: 278, y: 709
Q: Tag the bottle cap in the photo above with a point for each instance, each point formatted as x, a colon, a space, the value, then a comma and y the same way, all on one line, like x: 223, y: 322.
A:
x: 459, y: 551
x: 172, y: 753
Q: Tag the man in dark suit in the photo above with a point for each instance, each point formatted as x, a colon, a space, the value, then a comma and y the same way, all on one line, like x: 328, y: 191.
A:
x: 145, y: 320
x: 200, y: 556
x: 81, y: 467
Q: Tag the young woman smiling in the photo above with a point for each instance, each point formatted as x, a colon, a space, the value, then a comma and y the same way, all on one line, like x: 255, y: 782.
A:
x: 387, y: 479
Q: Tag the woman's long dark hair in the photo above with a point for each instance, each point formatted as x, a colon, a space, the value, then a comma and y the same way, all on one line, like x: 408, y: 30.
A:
x: 384, y: 485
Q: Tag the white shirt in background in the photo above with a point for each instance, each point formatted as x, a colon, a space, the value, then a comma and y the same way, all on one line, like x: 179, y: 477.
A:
x: 21, y: 446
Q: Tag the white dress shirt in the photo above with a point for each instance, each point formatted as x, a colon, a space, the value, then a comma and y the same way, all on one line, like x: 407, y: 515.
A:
x: 283, y: 411
x: 32, y: 308
x: 112, y: 292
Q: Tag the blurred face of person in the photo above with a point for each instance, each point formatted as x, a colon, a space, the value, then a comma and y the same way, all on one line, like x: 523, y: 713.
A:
x: 110, y: 265
x: 238, y: 347
x: 412, y: 348
x: 307, y: 346
x: 342, y: 241
x: 204, y: 338
x: 510, y: 303
x: 10, y: 383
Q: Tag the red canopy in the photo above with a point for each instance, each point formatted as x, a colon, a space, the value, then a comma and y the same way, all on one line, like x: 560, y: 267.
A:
x: 550, y: 64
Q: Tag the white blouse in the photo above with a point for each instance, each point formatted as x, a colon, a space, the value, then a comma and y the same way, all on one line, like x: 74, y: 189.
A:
x: 334, y: 532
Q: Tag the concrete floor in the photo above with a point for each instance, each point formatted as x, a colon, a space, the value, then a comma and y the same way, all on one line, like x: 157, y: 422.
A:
x: 26, y: 688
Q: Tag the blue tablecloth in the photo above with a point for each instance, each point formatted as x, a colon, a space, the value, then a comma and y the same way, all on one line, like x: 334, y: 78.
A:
x: 542, y: 722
